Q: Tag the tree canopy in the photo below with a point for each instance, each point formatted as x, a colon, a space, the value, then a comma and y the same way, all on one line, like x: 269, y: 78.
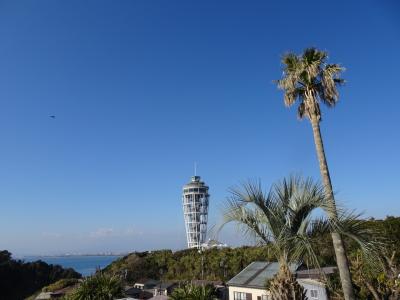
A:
x: 19, y: 279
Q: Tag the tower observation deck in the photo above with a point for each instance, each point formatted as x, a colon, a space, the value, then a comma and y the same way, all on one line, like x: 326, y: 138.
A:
x: 195, y: 211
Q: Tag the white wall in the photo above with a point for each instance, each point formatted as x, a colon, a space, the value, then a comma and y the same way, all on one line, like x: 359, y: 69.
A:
x: 307, y: 284
x: 254, y: 292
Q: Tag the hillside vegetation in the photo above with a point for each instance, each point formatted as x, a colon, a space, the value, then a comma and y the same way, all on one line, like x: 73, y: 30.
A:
x: 19, y: 279
x: 223, y: 264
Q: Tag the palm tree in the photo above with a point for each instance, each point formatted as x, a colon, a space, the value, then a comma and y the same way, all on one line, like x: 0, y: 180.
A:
x: 98, y: 287
x: 284, y: 219
x: 310, y: 80
x: 192, y: 292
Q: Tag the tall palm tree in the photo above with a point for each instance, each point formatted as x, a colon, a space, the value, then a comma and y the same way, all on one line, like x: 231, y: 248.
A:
x: 284, y: 219
x: 309, y: 80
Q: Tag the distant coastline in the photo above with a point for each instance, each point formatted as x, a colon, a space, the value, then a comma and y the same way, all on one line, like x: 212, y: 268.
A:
x: 85, y: 264
x: 71, y: 255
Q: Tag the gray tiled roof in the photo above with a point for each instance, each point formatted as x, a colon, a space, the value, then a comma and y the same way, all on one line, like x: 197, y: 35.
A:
x: 257, y: 273
x: 308, y: 273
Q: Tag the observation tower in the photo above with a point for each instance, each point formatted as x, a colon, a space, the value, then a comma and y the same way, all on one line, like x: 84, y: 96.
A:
x: 195, y: 211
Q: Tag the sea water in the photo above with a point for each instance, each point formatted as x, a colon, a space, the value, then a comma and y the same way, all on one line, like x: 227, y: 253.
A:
x: 84, y: 264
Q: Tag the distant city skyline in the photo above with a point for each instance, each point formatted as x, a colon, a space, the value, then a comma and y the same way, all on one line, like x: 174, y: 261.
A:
x: 142, y: 89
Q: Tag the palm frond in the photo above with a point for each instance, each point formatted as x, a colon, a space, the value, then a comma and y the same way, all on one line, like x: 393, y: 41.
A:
x: 369, y: 240
x: 278, y: 217
x: 329, y: 82
x: 308, y: 76
x: 248, y: 220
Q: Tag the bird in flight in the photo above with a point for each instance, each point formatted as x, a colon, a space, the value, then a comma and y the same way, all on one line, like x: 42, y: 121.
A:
x: 53, y: 117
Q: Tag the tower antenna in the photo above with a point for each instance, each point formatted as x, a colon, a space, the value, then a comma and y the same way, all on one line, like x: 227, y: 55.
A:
x: 195, y: 168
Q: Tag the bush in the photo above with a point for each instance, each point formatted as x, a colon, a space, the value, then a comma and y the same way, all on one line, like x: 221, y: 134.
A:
x: 98, y: 287
x: 58, y: 285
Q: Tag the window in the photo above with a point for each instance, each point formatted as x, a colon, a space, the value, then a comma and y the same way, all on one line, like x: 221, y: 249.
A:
x: 264, y: 297
x: 314, y: 294
x: 239, y: 296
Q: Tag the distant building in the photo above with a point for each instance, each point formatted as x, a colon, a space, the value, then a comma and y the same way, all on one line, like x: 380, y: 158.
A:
x: 142, y: 289
x: 136, y: 293
x: 195, y: 211
x: 164, y: 289
x: 145, y: 284
x: 210, y: 244
x: 249, y: 284
x: 150, y: 288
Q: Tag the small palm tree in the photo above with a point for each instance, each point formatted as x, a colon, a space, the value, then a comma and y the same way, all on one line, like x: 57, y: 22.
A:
x: 193, y: 292
x: 309, y: 80
x: 284, y: 219
x: 98, y: 287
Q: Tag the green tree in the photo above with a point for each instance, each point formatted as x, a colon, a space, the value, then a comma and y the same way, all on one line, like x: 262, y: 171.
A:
x: 19, y: 279
x: 284, y: 219
x: 381, y: 283
x: 309, y: 80
x: 98, y: 287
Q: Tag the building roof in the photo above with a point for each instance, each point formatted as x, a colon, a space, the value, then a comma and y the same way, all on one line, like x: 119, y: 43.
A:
x: 132, y: 290
x: 195, y: 182
x: 165, y: 285
x: 213, y: 244
x: 44, y: 295
x: 316, y: 273
x: 309, y: 281
x: 138, y: 293
x: 257, y: 273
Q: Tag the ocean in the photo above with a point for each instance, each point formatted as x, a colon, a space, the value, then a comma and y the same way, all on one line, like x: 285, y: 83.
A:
x: 85, y: 264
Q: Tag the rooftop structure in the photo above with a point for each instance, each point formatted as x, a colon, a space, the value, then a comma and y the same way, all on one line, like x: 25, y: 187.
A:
x: 250, y: 282
x: 195, y: 211
x: 257, y: 273
x: 210, y: 244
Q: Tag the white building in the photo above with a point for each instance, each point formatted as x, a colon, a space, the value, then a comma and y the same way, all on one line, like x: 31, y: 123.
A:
x: 210, y: 244
x: 249, y: 284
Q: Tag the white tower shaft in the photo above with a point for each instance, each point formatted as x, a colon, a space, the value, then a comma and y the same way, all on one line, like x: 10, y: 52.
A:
x: 195, y: 211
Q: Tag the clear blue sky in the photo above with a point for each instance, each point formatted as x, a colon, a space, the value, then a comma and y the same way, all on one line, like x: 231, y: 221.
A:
x: 142, y: 89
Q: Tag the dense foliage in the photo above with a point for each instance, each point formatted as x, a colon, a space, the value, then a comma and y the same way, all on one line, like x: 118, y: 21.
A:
x: 219, y: 264
x: 369, y: 281
x: 193, y: 292
x: 223, y: 264
x: 98, y: 287
x: 60, y: 284
x: 19, y: 279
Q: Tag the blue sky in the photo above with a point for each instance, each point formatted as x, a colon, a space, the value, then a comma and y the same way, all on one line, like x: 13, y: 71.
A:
x: 142, y: 89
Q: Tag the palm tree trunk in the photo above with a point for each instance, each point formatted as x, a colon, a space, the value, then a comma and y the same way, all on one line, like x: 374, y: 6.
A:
x: 341, y: 259
x: 284, y: 285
